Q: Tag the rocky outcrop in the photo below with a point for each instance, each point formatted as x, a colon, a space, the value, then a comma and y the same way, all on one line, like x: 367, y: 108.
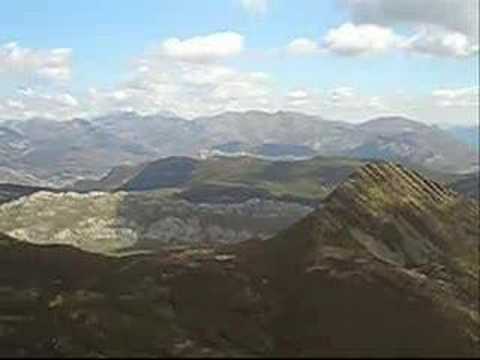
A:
x: 116, y: 222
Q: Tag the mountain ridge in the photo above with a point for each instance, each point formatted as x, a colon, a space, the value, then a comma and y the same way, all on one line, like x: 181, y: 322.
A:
x: 128, y: 138
x: 315, y: 289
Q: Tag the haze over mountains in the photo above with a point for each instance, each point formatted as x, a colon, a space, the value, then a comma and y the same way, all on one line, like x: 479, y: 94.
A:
x: 468, y: 134
x: 44, y: 152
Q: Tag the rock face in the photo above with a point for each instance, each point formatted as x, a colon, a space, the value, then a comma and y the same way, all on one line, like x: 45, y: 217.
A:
x: 387, y: 267
x: 106, y: 223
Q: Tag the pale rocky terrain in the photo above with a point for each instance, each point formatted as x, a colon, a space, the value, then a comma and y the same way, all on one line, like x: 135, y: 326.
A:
x: 121, y: 221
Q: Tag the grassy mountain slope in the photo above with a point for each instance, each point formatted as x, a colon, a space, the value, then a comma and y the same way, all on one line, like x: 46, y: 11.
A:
x: 388, y: 267
x: 303, y: 179
x: 311, y: 179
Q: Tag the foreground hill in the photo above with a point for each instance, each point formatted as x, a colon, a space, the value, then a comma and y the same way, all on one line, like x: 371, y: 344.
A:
x: 387, y: 267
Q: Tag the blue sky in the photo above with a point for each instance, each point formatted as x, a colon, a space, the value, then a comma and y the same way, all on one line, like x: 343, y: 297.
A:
x: 105, y: 36
x: 431, y: 58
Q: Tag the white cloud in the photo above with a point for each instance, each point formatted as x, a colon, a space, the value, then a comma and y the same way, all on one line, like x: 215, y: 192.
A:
x: 28, y: 103
x: 448, y: 28
x: 349, y: 99
x: 204, y: 48
x: 437, y: 42
x: 62, y: 99
x: 443, y: 106
x: 352, y: 40
x: 15, y: 104
x: 454, y: 15
x: 67, y: 100
x: 256, y: 7
x: 53, y: 64
x: 171, y: 86
x: 191, y: 85
x: 458, y: 97
x: 192, y: 79
x: 298, y: 94
x: 340, y: 103
x: 303, y: 46
x: 341, y: 93
x: 188, y: 88
x: 300, y: 99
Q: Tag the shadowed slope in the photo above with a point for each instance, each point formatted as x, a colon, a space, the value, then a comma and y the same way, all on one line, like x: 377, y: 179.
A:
x: 468, y: 185
x: 389, y: 246
x: 388, y: 267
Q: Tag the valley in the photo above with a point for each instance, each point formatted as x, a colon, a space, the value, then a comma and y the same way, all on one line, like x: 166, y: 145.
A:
x: 240, y: 179
x: 156, y: 236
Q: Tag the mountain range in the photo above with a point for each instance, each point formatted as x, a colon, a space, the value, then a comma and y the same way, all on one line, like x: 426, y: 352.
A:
x: 467, y: 134
x: 57, y: 153
x: 387, y: 266
x: 307, y: 179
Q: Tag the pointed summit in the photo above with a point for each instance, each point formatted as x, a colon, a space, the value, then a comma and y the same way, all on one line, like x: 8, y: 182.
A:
x: 385, y: 185
x: 387, y: 246
x: 397, y: 216
x: 385, y: 213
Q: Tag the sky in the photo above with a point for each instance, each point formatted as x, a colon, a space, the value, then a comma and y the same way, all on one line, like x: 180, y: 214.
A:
x: 340, y: 59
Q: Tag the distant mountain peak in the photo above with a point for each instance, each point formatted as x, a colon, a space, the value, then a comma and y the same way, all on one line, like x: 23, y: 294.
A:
x: 393, y: 123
